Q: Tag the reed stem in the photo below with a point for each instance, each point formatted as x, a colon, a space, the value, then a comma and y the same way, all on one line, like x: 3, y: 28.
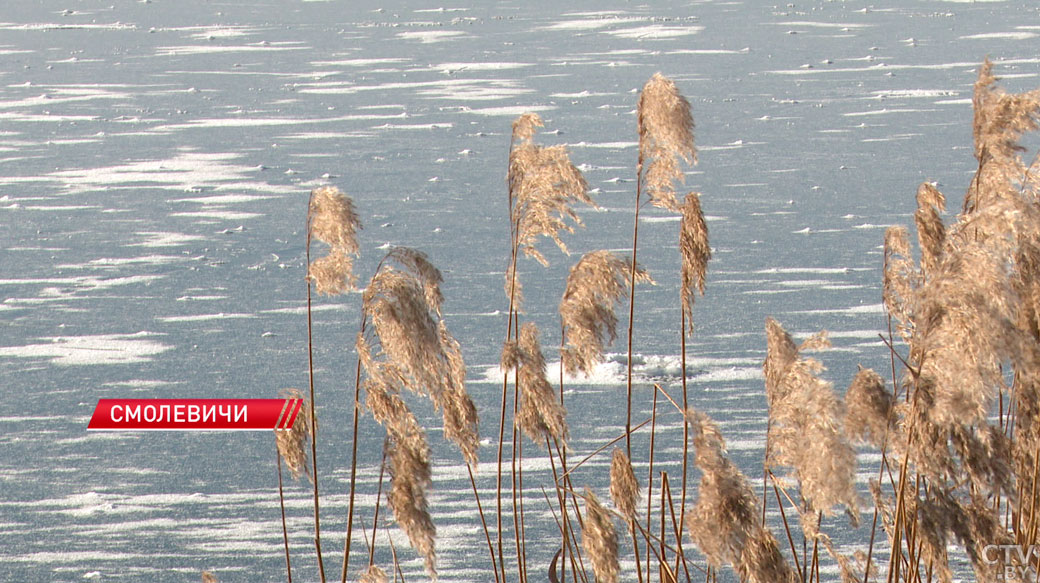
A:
x: 313, y: 417
x: 281, y: 502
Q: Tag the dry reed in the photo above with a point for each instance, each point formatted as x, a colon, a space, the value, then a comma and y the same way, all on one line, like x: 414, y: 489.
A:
x: 723, y: 522
x: 665, y: 128
x: 1000, y: 117
x: 969, y: 314
x: 598, y: 281
x: 900, y: 280
x: 624, y: 489
x: 868, y: 409
x: 695, y: 252
x: 599, y: 540
x: 805, y: 430
x: 292, y: 443
x: 415, y: 352
x: 333, y: 219
x: 403, y: 305
x: 543, y: 186
x: 931, y: 232
x: 373, y: 574
x: 541, y: 416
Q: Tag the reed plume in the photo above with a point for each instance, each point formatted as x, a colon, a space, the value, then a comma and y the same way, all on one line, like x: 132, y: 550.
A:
x: 930, y: 229
x: 333, y: 219
x: 292, y: 443
x: 415, y: 352
x: 1000, y: 117
x: 543, y: 187
x: 695, y: 251
x: 598, y: 281
x: 805, y: 430
x: 540, y: 416
x: 208, y: 577
x: 900, y: 280
x: 409, y: 455
x: 723, y: 522
x: 665, y: 128
x: 966, y: 331
x: 403, y: 304
x: 599, y: 540
x: 868, y: 409
x: 1000, y: 120
x: 374, y: 574
x: 624, y: 489
x: 409, y: 481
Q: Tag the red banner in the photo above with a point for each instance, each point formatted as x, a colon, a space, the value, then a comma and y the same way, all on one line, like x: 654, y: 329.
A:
x: 194, y: 414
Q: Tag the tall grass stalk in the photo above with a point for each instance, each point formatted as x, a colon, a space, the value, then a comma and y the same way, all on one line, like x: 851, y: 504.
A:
x: 314, y: 447
x: 281, y: 504
x: 665, y: 129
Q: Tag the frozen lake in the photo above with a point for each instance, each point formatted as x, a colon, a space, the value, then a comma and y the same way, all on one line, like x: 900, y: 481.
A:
x: 155, y: 161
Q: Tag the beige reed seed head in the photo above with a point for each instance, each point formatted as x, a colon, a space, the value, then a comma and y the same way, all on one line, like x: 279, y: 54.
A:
x: 544, y: 185
x: 868, y: 408
x: 850, y: 567
x: 373, y: 574
x: 931, y: 232
x: 395, y: 303
x: 724, y: 522
x: 695, y: 252
x: 599, y: 540
x: 409, y: 460
x: 934, y: 524
x: 418, y: 265
x: 332, y: 218
x: 900, y: 280
x: 723, y: 517
x: 415, y: 351
x: 781, y: 353
x: 403, y: 304
x: 389, y: 410
x: 595, y: 284
x: 513, y: 287
x: 967, y: 329
x: 805, y: 429
x: 541, y: 415
x: 458, y: 410
x: 333, y: 274
x: 624, y: 489
x: 209, y: 577
x: 762, y: 562
x: 292, y: 443
x: 665, y: 136
x: 1000, y: 117
x: 410, y: 479
x: 525, y: 126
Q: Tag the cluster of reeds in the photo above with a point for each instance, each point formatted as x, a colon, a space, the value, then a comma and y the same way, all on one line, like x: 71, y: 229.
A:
x: 957, y: 421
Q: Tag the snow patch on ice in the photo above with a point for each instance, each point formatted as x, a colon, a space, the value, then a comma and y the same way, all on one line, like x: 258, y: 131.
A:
x: 430, y: 36
x: 92, y: 349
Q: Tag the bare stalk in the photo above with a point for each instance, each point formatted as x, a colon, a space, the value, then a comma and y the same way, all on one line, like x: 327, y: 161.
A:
x: 353, y: 463
x: 281, y: 502
x: 483, y: 520
x: 632, y: 309
x: 313, y: 418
